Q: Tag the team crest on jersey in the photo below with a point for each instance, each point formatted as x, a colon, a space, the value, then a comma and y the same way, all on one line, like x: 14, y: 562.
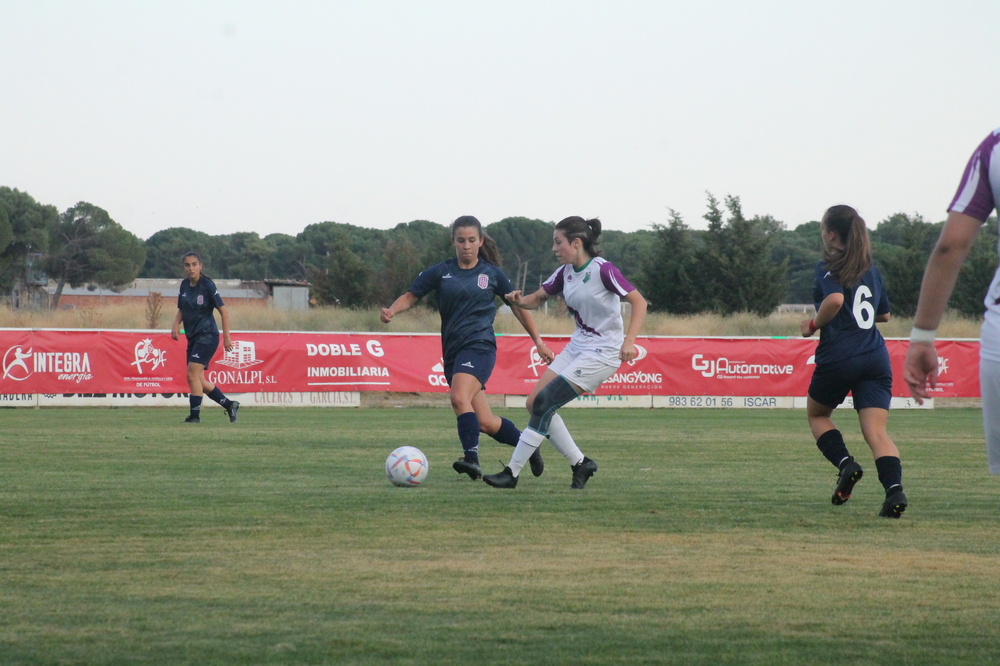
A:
x: 483, y: 281
x: 586, y: 277
x: 201, y: 299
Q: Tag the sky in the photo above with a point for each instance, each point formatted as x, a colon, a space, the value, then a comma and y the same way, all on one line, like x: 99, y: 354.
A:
x: 270, y: 116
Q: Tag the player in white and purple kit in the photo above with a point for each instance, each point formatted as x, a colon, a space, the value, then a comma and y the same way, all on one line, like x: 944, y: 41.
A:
x: 593, y: 289
x: 977, y: 197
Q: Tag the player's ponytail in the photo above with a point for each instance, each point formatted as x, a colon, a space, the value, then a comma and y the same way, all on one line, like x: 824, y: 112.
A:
x: 488, y: 250
x: 849, y: 265
x: 586, y: 230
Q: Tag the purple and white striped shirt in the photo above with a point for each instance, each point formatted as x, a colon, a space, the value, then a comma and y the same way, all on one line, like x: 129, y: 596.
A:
x: 593, y: 296
x: 977, y: 197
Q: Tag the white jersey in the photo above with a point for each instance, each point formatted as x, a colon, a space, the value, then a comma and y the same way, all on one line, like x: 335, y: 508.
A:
x: 978, y: 195
x: 593, y: 295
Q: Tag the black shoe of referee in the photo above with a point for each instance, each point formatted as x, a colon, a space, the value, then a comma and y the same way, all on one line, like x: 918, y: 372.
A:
x: 850, y: 474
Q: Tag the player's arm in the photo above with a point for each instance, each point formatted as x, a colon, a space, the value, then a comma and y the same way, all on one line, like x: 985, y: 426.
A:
x: 529, y: 302
x: 175, y: 329
x: 528, y: 322
x: 227, y: 342
x: 953, y: 245
x: 828, y: 309
x: 638, y: 303
x: 882, y: 318
x: 401, y: 304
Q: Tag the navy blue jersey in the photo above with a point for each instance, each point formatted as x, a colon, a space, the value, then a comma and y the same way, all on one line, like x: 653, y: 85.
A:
x: 196, y: 304
x: 466, y: 301
x: 852, y: 331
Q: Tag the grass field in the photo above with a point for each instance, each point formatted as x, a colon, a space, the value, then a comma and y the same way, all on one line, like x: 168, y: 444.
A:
x: 706, y: 537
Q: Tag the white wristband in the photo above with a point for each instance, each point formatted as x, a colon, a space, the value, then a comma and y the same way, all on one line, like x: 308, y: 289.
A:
x: 922, y: 335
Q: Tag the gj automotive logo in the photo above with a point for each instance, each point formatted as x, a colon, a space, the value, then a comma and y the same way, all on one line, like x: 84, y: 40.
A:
x: 723, y: 368
x: 145, y: 352
x: 14, y: 365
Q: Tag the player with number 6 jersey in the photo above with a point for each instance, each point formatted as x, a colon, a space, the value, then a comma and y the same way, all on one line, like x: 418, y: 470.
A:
x: 852, y: 357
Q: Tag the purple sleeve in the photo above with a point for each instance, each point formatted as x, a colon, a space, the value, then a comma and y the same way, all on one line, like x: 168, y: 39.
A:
x: 614, y: 281
x: 975, y: 192
x: 554, y: 285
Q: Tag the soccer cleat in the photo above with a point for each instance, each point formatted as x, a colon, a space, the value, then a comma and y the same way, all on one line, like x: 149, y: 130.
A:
x: 504, y: 479
x: 850, y: 474
x: 894, y: 505
x: 232, y: 409
x: 537, y: 464
x: 193, y: 419
x: 582, y: 471
x: 470, y: 467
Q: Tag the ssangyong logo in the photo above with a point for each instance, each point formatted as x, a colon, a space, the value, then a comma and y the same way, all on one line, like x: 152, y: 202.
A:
x: 14, y: 365
x: 145, y: 352
x: 640, y: 353
x: 723, y: 368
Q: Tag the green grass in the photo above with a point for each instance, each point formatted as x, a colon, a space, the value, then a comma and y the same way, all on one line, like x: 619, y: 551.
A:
x: 706, y: 537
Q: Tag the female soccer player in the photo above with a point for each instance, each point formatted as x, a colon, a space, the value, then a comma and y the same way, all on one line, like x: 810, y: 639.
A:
x: 977, y: 197
x: 852, y: 356
x: 467, y: 286
x: 593, y: 289
x: 195, y: 302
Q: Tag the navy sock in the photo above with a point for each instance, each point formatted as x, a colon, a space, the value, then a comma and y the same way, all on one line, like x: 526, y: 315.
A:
x: 890, y: 472
x: 831, y: 445
x: 195, y: 402
x: 468, y: 432
x: 508, y: 433
x: 217, y: 395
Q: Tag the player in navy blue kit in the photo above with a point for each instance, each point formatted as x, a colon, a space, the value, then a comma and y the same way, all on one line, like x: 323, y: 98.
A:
x: 852, y: 356
x: 467, y: 286
x: 197, y: 298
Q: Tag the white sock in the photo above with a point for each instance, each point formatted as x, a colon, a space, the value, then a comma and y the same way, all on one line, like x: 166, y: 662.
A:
x: 528, y: 443
x: 563, y: 441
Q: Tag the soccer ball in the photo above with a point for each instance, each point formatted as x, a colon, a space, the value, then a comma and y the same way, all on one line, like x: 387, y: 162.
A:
x: 406, y: 466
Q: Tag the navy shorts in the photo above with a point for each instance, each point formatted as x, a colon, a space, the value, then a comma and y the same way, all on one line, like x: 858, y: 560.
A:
x: 202, y: 348
x: 868, y: 376
x: 476, y: 361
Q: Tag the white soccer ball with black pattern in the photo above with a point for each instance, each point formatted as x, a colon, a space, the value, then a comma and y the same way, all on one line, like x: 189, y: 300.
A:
x: 406, y: 467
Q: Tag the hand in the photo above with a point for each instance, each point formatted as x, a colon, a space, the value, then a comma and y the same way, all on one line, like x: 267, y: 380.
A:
x: 628, y: 352
x: 386, y: 315
x: 514, y: 297
x: 545, y: 353
x: 174, y: 332
x: 921, y: 369
x: 227, y: 343
x: 804, y: 328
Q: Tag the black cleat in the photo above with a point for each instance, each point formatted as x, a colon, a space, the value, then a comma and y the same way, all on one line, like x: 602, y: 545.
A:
x: 895, y: 504
x: 850, y: 474
x: 537, y: 464
x: 193, y: 419
x: 582, y: 471
x: 504, y: 479
x: 232, y: 409
x: 470, y: 467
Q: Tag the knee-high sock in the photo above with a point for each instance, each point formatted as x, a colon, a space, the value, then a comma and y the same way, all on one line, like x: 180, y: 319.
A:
x: 508, y: 433
x: 526, y: 446
x: 563, y: 441
x: 468, y: 432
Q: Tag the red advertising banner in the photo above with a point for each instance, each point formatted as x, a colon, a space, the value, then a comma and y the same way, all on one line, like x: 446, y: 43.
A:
x: 88, y: 362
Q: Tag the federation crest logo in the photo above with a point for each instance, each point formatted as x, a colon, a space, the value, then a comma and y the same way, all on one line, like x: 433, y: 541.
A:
x: 14, y: 366
x: 483, y: 281
x: 942, y: 365
x: 243, y: 355
x: 145, y: 352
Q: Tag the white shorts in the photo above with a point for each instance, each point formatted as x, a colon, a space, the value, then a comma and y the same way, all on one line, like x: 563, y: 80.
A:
x: 584, y: 370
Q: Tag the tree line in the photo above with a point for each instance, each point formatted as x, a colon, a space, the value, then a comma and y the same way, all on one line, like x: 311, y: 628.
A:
x: 737, y: 264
